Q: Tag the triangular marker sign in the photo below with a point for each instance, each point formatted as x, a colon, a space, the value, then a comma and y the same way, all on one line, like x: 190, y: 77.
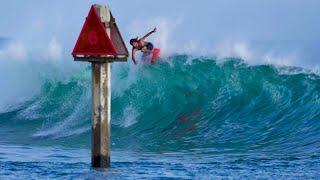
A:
x: 93, y: 39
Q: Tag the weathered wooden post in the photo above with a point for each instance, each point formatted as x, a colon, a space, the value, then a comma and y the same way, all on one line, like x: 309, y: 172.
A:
x: 100, y: 43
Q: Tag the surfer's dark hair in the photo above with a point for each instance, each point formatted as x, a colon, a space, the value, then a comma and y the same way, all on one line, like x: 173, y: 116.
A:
x: 133, y: 40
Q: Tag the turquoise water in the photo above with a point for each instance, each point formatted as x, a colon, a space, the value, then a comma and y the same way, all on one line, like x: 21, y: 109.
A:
x: 185, y: 117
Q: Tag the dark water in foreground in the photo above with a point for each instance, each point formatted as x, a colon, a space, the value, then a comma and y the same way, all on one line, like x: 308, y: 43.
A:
x: 22, y: 162
x: 188, y: 117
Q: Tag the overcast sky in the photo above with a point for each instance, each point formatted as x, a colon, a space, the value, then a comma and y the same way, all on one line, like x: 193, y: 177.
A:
x: 202, y: 20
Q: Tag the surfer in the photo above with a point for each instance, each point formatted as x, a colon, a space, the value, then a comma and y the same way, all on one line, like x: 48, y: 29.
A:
x: 142, y: 45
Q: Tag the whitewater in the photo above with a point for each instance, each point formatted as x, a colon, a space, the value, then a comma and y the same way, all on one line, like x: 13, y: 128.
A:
x: 187, y: 116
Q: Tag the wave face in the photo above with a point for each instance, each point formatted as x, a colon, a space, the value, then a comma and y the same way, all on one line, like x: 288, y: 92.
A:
x: 181, y: 103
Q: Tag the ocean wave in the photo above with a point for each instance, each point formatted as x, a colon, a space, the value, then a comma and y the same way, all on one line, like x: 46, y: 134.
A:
x: 180, y: 103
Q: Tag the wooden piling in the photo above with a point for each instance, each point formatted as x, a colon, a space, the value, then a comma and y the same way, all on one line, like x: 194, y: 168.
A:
x: 95, y: 45
x: 101, y: 104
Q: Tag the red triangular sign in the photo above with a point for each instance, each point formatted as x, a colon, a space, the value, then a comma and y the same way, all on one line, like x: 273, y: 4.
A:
x: 93, y: 39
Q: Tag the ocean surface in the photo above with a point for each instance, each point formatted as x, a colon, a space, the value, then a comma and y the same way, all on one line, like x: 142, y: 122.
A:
x: 184, y: 117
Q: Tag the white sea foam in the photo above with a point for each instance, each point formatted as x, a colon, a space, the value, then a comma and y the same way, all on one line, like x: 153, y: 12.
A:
x: 254, y: 56
x: 55, y: 49
x: 69, y: 125
x: 123, y: 76
x: 130, y: 116
x: 23, y: 69
x: 13, y: 51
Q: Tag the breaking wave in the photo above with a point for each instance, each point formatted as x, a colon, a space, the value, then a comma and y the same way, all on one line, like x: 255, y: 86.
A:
x: 180, y: 103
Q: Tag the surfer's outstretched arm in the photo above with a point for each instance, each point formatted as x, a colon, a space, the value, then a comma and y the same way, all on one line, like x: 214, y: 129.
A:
x: 132, y: 54
x: 149, y: 33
